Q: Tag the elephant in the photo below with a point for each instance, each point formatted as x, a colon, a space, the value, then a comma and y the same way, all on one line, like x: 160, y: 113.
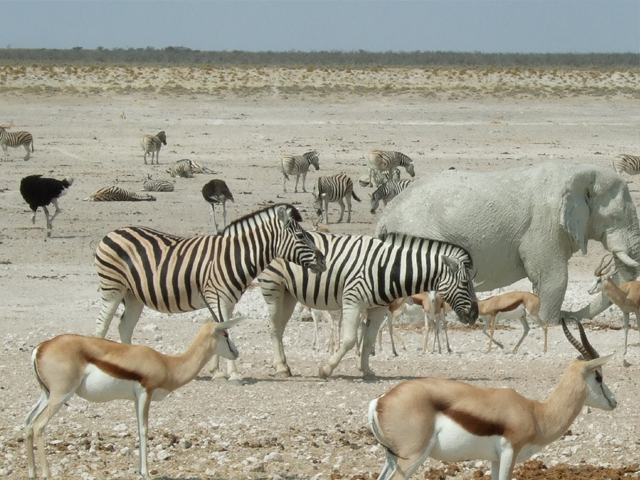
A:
x: 525, y: 222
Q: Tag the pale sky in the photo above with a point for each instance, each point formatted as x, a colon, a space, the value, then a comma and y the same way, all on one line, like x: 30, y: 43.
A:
x: 521, y: 26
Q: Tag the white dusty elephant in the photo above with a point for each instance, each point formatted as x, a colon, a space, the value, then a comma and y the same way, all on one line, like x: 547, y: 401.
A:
x: 525, y: 222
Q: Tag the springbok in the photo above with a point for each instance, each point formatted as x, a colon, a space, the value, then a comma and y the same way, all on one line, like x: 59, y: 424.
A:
x: 511, y: 306
x: 454, y: 421
x: 625, y: 296
x: 100, y: 370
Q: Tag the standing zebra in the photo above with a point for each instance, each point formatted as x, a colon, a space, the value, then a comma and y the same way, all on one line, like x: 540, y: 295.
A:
x: 384, y: 160
x: 117, y: 194
x: 366, y: 273
x: 335, y: 188
x: 386, y: 192
x: 627, y: 163
x: 182, y: 168
x: 15, y: 140
x: 171, y: 274
x: 298, y: 165
x: 152, y: 144
x: 150, y: 185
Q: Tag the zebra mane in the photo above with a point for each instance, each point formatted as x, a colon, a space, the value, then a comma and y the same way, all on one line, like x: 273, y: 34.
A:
x: 395, y: 238
x: 269, y: 212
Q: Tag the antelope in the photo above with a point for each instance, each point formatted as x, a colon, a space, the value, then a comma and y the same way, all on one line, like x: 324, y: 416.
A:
x: 454, y: 421
x: 434, y: 308
x: 100, y: 370
x: 511, y: 305
x: 625, y: 296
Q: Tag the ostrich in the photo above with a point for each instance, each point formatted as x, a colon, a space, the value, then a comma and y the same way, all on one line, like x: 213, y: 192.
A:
x: 40, y: 192
x: 216, y: 191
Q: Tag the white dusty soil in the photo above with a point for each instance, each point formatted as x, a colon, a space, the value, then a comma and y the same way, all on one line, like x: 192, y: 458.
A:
x: 301, y: 427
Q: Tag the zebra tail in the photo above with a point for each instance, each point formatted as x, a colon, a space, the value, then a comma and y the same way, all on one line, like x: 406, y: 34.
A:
x: 355, y: 197
x: 32, y: 149
x: 284, y: 174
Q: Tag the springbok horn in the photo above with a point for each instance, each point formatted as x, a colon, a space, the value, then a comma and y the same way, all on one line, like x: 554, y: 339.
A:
x: 608, y: 258
x: 573, y: 340
x: 215, y: 317
x: 583, y: 338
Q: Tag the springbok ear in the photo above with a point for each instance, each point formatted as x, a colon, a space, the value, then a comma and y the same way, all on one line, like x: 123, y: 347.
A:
x: 575, y: 212
x: 598, y: 362
x: 230, y: 323
x: 452, y: 263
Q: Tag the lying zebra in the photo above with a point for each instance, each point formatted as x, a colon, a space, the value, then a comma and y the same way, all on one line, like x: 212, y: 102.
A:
x: 117, y: 194
x: 150, y: 185
x: 187, y: 168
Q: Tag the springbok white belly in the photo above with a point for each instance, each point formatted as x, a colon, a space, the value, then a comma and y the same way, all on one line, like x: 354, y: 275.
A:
x: 98, y: 386
x: 455, y: 444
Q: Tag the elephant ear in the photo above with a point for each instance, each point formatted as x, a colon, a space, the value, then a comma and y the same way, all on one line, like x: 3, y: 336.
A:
x: 575, y: 212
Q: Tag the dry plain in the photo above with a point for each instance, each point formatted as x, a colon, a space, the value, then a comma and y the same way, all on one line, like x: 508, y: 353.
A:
x: 238, y: 121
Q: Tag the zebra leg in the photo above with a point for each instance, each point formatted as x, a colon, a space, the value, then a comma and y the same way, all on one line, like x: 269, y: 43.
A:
x: 110, y: 301
x: 145, y: 157
x: 304, y: 179
x: 341, y: 203
x: 351, y: 317
x: 280, y: 312
x: 297, y: 180
x: 326, y: 211
x: 28, y: 155
x: 348, y: 199
x: 132, y: 311
x: 375, y: 318
x: 5, y: 148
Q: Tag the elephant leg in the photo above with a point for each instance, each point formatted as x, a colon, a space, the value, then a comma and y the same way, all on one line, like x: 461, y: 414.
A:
x: 637, y: 321
x: 545, y: 329
x: 625, y: 316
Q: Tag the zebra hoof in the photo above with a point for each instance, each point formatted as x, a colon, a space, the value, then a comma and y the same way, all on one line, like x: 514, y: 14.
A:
x: 322, y: 373
x: 235, y: 383
x: 283, y: 374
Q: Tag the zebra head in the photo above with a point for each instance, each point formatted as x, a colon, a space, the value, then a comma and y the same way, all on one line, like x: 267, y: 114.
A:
x: 410, y: 169
x: 297, y: 245
x: 317, y: 200
x: 313, y: 159
x: 162, y: 137
x: 456, y: 287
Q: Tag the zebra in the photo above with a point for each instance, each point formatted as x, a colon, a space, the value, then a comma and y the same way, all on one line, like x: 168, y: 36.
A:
x: 15, y: 140
x: 378, y: 178
x: 195, y: 166
x: 384, y: 160
x: 335, y: 188
x: 298, y: 165
x: 152, y: 144
x: 214, y: 192
x: 117, y: 194
x: 172, y: 274
x: 386, y: 192
x: 627, y: 163
x: 182, y: 168
x: 365, y: 273
x: 150, y: 185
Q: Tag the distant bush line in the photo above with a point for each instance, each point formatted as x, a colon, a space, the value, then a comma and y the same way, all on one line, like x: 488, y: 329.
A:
x: 185, y: 56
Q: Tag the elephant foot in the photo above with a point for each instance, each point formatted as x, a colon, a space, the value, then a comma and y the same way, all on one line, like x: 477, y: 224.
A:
x: 324, y: 372
x: 369, y: 376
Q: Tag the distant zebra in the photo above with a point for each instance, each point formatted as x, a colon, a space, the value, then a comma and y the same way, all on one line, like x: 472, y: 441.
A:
x: 298, y: 165
x: 117, y: 194
x: 365, y: 273
x: 150, y: 185
x: 627, y: 163
x: 195, y: 166
x: 386, y: 192
x: 217, y: 192
x: 384, y: 160
x: 15, y: 140
x: 378, y: 178
x: 171, y: 274
x: 182, y: 168
x: 335, y: 188
x: 152, y: 144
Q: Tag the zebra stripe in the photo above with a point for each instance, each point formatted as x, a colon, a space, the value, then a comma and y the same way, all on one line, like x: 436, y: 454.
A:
x: 117, y: 194
x: 195, y: 166
x: 15, y: 140
x: 366, y: 273
x: 182, y: 168
x: 386, y: 192
x: 384, y: 160
x: 298, y: 165
x: 336, y: 188
x: 629, y: 164
x: 172, y: 274
x: 152, y: 144
x: 150, y: 185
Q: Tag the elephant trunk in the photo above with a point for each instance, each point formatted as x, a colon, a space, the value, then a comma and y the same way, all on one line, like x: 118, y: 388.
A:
x: 626, y: 254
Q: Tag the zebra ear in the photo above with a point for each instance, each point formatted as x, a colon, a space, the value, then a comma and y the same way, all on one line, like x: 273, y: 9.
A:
x: 452, y: 263
x: 283, y: 215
